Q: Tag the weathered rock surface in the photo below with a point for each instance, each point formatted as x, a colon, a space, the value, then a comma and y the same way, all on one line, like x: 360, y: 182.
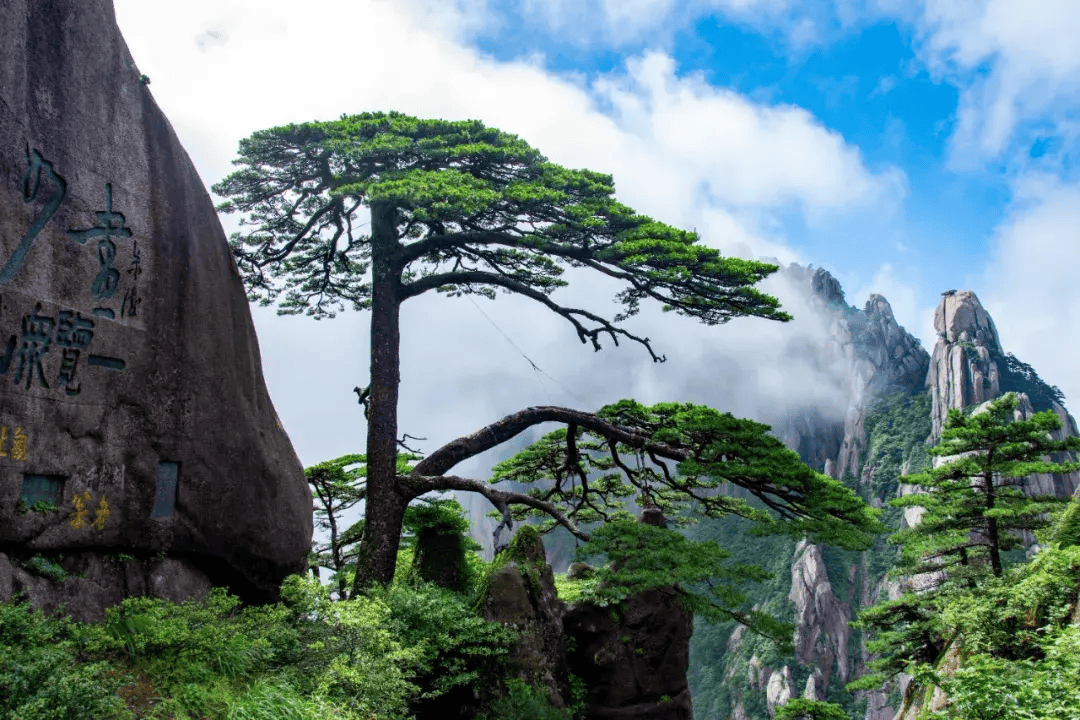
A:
x: 634, y: 667
x: 881, y: 359
x: 522, y: 594
x: 621, y: 682
x: 962, y: 371
x: 967, y: 367
x: 131, y: 387
x: 890, y: 360
x: 877, y: 356
x: 821, y: 619
x: 780, y: 689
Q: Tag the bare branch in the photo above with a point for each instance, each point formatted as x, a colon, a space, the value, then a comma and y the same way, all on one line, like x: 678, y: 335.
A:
x: 418, y: 485
x: 449, y: 455
x: 455, y: 278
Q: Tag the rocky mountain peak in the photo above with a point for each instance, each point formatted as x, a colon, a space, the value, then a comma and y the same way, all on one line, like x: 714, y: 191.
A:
x: 963, y: 367
x: 826, y: 286
x: 960, y: 316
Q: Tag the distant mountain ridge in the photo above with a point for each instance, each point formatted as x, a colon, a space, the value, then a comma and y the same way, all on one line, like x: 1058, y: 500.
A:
x: 897, y: 402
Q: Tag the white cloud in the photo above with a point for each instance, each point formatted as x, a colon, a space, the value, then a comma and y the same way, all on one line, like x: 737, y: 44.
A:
x: 1030, y: 281
x: 746, y: 153
x: 1013, y: 61
x: 680, y: 150
x: 803, y: 24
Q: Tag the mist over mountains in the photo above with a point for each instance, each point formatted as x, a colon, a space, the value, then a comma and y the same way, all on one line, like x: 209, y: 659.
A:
x: 864, y: 402
x: 838, y: 361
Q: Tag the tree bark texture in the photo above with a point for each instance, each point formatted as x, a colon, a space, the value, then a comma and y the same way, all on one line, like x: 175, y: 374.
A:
x: 385, y: 505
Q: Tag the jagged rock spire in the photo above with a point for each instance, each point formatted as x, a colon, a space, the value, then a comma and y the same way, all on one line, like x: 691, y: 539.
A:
x: 962, y: 369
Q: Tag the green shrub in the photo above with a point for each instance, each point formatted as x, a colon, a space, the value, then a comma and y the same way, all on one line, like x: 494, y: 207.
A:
x: 524, y: 702
x: 47, y: 568
x: 803, y: 709
x: 992, y: 687
x: 39, y: 679
x: 1007, y: 615
x: 351, y: 653
x: 440, y: 543
x: 571, y: 591
x: 457, y: 646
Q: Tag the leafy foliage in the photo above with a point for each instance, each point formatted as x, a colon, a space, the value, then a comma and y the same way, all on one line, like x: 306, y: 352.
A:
x: 906, y: 630
x: 455, y: 192
x: 993, y: 687
x: 1009, y: 615
x: 972, y: 504
x: 335, y: 490
x: 457, y: 647
x: 524, y: 702
x: 802, y: 709
x: 39, y: 681
x: 1017, y: 376
x: 457, y: 186
x: 441, y: 545
x: 975, y: 504
x: 717, y: 449
x: 47, y: 568
x: 643, y: 557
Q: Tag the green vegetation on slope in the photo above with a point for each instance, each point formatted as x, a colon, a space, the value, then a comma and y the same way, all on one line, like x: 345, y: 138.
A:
x: 896, y: 428
x: 376, y: 656
x: 1015, y: 640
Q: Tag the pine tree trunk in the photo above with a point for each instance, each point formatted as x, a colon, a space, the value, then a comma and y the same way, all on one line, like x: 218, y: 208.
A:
x: 993, y: 537
x: 385, y: 505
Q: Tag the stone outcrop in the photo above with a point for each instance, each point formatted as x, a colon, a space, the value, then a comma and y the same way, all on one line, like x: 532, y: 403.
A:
x: 131, y: 390
x: 634, y: 664
x: 877, y: 356
x: 521, y: 594
x: 621, y: 681
x: 962, y: 371
x: 881, y: 358
x: 890, y: 360
x: 821, y: 619
x: 968, y: 367
x: 780, y: 689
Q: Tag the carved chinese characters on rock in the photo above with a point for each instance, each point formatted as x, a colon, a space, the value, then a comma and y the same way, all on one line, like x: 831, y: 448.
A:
x: 26, y: 358
x: 18, y: 443
x: 77, y: 519
x: 110, y: 224
x: 36, y: 166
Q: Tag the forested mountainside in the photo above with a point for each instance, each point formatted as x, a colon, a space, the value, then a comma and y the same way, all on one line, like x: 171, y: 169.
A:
x: 898, y: 395
x: 899, y: 399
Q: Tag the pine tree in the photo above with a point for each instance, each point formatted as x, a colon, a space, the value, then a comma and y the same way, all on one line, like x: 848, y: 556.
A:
x: 975, y: 508
x: 458, y: 208
x: 976, y: 505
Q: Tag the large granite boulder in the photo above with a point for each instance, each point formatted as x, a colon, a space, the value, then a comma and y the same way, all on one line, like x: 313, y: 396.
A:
x: 633, y: 660
x: 131, y: 391
x: 521, y: 593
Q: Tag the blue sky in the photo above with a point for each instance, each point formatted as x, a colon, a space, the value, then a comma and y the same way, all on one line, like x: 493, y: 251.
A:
x: 907, y: 147
x: 866, y: 84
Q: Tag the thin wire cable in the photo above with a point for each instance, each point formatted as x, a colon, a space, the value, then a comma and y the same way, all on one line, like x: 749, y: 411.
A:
x: 536, y: 368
